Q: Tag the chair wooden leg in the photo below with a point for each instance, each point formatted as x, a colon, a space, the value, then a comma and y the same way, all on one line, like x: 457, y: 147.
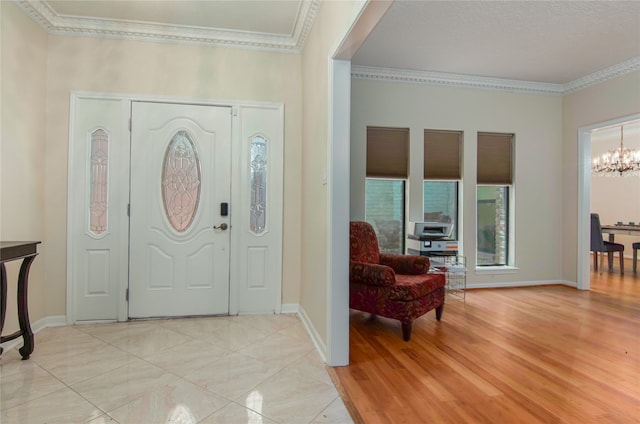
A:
x: 601, y: 261
x: 595, y: 261
x: 406, y: 331
x: 610, y: 259
x: 621, y: 263
x: 635, y: 260
x: 439, y: 310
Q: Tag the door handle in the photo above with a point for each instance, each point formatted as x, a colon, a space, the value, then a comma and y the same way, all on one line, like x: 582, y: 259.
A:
x: 222, y: 226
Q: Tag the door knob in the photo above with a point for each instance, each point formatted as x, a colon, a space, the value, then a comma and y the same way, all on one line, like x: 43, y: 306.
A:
x: 222, y: 226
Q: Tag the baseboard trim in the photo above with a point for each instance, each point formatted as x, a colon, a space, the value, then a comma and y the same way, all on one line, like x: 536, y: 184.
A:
x: 315, y: 337
x: 36, y: 327
x: 494, y: 285
x: 289, y: 308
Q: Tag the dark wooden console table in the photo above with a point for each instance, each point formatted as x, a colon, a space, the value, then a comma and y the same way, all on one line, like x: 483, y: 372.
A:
x: 11, y: 251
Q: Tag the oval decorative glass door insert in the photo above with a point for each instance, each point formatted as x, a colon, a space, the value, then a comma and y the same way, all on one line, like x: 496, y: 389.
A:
x: 181, y: 181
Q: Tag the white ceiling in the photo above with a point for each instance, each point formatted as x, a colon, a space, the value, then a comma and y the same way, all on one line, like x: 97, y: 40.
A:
x: 276, y: 25
x: 550, y: 42
x: 256, y: 16
x: 541, y: 41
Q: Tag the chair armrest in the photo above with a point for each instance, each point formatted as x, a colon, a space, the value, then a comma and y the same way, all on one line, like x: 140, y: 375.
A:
x: 371, y: 274
x: 406, y: 264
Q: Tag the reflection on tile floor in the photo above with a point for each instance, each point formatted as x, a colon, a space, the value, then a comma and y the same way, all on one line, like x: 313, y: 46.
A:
x: 243, y: 369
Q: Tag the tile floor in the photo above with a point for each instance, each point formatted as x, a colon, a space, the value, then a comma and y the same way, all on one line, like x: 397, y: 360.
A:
x: 241, y: 369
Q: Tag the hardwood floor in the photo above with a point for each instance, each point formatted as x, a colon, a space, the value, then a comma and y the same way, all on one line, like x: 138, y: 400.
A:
x: 547, y: 354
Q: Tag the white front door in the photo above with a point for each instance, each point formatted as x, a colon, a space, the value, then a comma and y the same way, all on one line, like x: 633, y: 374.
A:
x: 179, y: 224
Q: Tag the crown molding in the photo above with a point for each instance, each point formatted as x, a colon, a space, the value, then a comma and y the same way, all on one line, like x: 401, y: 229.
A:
x: 515, y: 86
x: 56, y: 24
x: 454, y: 80
x: 603, y: 75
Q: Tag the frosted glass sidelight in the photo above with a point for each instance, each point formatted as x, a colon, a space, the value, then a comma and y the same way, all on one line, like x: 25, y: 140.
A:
x: 258, y: 181
x: 181, y: 181
x: 99, y: 180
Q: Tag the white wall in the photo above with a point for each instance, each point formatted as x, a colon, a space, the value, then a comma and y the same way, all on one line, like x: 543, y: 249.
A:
x: 537, y: 123
x: 616, y: 198
x: 22, y: 151
x: 606, y: 101
x: 119, y: 66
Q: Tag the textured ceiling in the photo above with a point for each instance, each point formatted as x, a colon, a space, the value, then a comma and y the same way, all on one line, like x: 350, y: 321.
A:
x: 540, y: 41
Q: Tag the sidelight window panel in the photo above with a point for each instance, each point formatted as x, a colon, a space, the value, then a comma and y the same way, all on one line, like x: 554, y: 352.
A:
x: 258, y: 188
x: 99, y: 182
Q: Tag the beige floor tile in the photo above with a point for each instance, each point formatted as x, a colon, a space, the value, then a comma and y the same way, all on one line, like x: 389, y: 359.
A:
x: 267, y: 323
x: 335, y: 413
x: 236, y: 414
x: 233, y: 375
x: 76, y: 368
x: 63, y: 407
x: 117, y: 330
x: 103, y: 419
x: 188, y: 357
x: 176, y: 402
x: 278, y: 349
x: 123, y: 385
x: 242, y: 369
x: 288, y: 397
x: 198, y: 328
x: 11, y: 363
x: 235, y: 336
x: 29, y: 384
x: 151, y: 341
x: 69, y: 342
x: 311, y: 366
x: 296, y: 331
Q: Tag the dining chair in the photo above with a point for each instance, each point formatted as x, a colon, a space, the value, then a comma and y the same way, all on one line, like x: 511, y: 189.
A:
x: 635, y: 246
x: 598, y: 244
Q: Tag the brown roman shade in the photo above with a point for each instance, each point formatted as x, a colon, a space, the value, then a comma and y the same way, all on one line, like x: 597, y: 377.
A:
x: 387, y: 152
x: 442, y: 155
x: 495, y: 153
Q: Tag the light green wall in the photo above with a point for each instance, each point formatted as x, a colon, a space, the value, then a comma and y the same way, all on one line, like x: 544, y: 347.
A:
x: 609, y: 100
x: 22, y: 151
x: 535, y: 120
x: 331, y: 25
x: 162, y: 69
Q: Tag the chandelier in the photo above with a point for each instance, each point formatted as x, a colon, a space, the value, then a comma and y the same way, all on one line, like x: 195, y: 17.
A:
x: 619, y: 161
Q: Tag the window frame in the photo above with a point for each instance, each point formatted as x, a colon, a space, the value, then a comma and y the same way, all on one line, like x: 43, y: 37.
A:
x: 505, y: 161
x: 508, y: 240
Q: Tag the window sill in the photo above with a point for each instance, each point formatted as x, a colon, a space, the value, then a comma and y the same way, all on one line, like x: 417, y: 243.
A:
x: 497, y: 270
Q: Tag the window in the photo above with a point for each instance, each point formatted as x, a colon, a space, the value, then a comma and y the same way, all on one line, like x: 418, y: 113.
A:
x: 180, y: 181
x: 99, y: 188
x: 441, y: 203
x: 384, y: 210
x: 442, y: 172
x: 494, y: 198
x: 387, y: 171
x: 493, y: 225
x: 258, y: 185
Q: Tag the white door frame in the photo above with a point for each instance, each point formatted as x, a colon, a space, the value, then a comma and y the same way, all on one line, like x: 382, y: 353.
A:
x: 236, y: 197
x: 339, y: 163
x: 584, y: 196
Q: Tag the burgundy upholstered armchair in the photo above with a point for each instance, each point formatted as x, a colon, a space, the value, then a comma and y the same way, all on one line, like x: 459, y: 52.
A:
x: 392, y: 286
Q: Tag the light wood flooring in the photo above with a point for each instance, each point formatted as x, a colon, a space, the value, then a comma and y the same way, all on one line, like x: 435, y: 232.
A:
x: 547, y: 354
